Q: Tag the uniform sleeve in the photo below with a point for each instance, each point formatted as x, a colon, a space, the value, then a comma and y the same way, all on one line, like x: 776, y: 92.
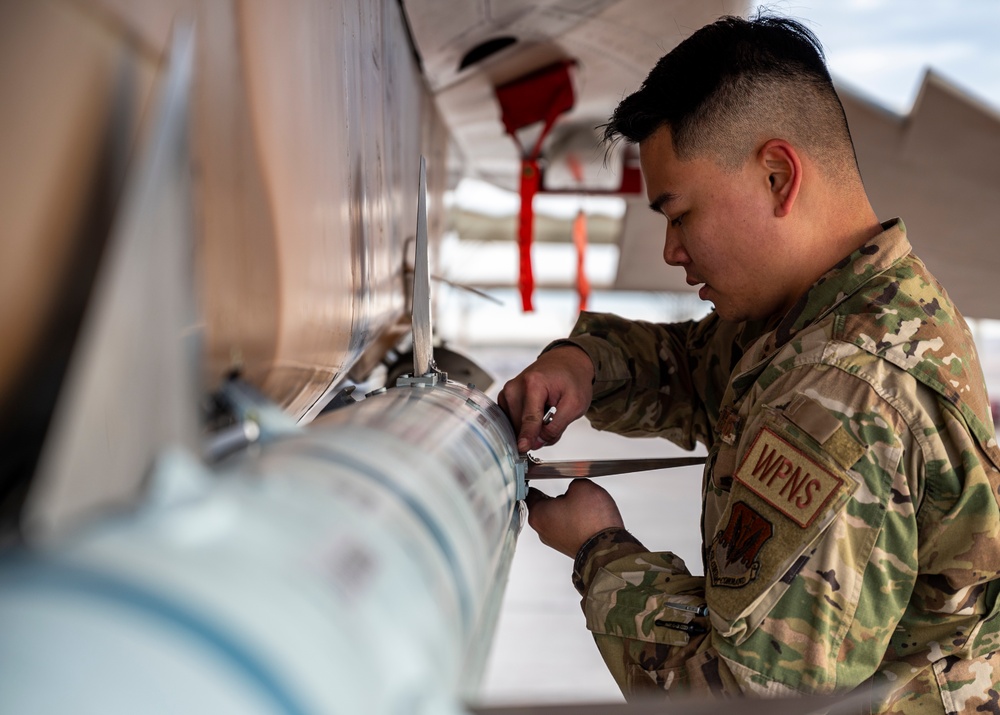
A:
x: 950, y: 634
x: 810, y: 564
x: 658, y: 379
x: 647, y: 614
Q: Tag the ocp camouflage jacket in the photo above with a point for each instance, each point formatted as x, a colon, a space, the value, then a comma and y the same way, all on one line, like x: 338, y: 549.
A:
x: 851, y: 530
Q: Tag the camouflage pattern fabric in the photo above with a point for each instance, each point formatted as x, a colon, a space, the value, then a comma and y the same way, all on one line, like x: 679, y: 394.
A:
x: 850, y: 500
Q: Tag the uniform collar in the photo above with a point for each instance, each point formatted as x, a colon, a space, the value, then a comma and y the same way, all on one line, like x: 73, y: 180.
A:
x: 833, y: 288
x: 840, y: 282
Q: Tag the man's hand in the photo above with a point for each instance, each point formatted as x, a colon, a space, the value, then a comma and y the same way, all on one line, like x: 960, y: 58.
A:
x: 562, y: 378
x: 566, y: 522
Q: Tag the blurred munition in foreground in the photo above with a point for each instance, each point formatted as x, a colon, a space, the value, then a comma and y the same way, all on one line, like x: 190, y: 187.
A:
x: 352, y: 566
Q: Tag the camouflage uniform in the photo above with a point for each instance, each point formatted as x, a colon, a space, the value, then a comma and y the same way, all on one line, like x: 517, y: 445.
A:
x: 850, y: 512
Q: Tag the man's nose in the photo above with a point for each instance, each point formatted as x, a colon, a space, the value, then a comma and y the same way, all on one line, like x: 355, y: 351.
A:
x: 673, y: 251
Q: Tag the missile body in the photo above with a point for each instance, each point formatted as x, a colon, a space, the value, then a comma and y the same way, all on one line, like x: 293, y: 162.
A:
x: 355, y: 566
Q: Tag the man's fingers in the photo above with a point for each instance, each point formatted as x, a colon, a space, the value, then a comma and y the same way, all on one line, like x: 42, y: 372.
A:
x: 565, y: 522
x: 532, y: 409
x: 537, y: 389
x: 539, y: 507
x: 504, y: 399
x: 511, y: 401
x: 568, y: 411
x: 524, y: 402
x: 534, y: 497
x: 560, y: 378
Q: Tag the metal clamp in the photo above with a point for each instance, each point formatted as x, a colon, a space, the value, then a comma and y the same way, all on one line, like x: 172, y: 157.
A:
x: 248, y: 404
x: 521, y: 471
x: 434, y: 377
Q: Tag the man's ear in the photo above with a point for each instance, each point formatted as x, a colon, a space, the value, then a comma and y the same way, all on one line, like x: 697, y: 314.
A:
x: 784, y: 174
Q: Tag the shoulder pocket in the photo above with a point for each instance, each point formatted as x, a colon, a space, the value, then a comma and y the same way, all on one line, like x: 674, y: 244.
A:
x: 787, y: 490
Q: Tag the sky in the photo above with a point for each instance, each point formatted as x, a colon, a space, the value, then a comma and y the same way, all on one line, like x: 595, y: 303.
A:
x: 883, y: 47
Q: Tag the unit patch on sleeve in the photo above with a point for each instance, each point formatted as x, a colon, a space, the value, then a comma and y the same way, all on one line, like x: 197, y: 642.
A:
x: 787, y: 478
x: 734, y: 550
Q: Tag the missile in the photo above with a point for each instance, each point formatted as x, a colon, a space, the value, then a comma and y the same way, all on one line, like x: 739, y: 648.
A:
x: 354, y: 565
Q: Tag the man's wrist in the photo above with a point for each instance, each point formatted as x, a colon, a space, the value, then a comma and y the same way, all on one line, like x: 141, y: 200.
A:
x: 599, y: 550
x: 571, y: 343
x: 610, y: 370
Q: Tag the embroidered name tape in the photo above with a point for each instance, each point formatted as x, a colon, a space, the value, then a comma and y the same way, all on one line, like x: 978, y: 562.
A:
x: 787, y: 478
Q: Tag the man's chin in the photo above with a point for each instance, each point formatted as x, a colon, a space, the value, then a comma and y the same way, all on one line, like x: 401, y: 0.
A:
x: 725, y: 311
x: 729, y: 317
x: 741, y: 311
x: 730, y: 313
x: 723, y: 308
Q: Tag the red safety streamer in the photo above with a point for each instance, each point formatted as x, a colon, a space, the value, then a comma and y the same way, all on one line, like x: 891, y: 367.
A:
x: 539, y: 96
x: 525, y: 231
x: 580, y: 241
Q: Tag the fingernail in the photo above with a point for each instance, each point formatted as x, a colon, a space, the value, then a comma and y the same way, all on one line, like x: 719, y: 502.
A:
x: 522, y: 445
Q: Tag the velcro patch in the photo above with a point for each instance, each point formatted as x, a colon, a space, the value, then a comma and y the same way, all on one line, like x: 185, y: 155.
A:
x: 787, y: 478
x: 820, y: 424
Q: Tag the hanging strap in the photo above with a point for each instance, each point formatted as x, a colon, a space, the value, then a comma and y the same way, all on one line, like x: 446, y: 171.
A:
x: 580, y: 241
x: 541, y: 96
x: 525, y: 231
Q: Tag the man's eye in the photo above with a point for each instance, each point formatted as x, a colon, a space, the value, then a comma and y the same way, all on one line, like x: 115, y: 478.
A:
x: 677, y: 221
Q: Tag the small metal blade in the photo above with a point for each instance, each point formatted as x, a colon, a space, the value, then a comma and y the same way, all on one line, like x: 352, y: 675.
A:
x: 423, y: 337
x: 586, y: 469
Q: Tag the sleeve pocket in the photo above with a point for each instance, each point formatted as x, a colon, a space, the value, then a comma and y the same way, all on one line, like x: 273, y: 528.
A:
x: 631, y: 598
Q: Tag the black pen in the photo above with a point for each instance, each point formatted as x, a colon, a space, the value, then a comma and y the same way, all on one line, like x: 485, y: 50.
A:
x: 696, y: 610
x: 691, y: 628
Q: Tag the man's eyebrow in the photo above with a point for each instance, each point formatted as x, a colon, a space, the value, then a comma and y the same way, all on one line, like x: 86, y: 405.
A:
x: 662, y: 200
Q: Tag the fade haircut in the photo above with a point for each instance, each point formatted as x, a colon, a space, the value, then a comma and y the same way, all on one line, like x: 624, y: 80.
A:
x: 735, y: 84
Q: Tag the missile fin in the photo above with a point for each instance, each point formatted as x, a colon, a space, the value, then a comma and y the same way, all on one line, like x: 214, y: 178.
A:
x: 131, y: 389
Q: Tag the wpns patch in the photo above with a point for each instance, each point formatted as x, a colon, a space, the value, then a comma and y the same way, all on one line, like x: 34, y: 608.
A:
x: 733, y: 554
x: 787, y: 478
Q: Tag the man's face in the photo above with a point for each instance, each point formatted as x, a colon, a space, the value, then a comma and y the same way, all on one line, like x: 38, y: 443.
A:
x: 721, y: 228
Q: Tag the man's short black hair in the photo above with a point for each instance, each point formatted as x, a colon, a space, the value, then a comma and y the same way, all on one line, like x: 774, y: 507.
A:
x: 735, y: 84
